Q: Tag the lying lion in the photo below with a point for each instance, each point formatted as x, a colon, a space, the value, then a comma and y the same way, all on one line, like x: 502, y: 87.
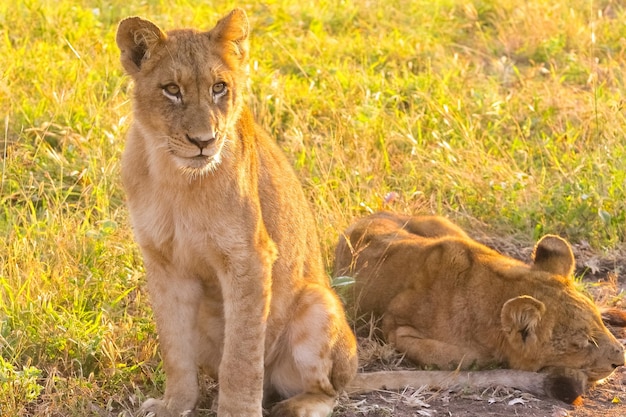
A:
x: 446, y: 300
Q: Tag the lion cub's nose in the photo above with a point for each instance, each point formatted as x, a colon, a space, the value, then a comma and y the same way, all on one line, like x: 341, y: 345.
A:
x: 201, y: 141
x: 619, y: 357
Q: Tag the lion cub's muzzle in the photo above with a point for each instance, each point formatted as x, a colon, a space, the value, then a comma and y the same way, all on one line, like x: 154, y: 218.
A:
x: 619, y: 357
x: 613, y: 360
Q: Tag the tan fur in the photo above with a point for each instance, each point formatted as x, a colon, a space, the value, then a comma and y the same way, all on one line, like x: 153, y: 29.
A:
x: 447, y: 300
x: 233, y: 265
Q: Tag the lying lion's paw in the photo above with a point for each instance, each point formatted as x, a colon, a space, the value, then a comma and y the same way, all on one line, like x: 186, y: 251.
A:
x: 157, y: 408
x: 566, y: 384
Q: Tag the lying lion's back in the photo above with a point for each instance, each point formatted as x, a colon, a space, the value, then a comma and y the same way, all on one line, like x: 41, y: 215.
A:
x: 432, y: 257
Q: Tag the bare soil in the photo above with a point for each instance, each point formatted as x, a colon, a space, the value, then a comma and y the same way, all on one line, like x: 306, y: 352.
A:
x: 604, y: 277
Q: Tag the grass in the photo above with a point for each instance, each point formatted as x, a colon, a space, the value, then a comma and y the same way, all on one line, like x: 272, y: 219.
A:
x: 504, y: 115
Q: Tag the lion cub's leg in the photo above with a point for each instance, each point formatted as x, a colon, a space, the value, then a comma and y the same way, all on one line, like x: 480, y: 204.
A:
x: 401, y: 328
x: 177, y: 338
x: 565, y: 384
x: 316, y: 358
x: 407, y: 339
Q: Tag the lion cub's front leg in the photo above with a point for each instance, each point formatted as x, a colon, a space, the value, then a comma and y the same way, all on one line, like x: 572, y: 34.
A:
x: 246, y: 288
x: 177, y: 338
x: 186, y: 342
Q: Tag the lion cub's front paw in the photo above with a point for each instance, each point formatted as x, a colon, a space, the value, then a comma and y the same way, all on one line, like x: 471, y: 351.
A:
x: 157, y: 408
x: 304, y: 405
x: 565, y: 384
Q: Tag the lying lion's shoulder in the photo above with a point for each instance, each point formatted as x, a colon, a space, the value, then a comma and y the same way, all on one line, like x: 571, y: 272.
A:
x: 393, y: 226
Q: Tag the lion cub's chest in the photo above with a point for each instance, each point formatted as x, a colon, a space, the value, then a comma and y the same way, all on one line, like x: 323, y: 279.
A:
x: 188, y: 234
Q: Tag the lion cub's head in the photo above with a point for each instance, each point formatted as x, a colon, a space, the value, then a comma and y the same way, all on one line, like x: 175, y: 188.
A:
x: 188, y: 87
x: 558, y: 326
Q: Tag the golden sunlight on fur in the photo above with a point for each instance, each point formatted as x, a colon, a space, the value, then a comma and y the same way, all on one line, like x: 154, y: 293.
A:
x: 233, y: 263
x: 446, y: 300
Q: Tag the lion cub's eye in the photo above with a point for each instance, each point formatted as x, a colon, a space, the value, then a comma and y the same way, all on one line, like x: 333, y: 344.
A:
x: 172, y: 91
x: 219, y: 88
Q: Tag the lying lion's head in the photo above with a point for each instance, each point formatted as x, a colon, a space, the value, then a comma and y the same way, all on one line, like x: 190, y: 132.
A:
x: 553, y: 325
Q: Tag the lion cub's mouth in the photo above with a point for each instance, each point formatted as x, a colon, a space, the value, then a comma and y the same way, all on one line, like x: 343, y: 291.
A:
x: 200, y: 161
x: 599, y: 374
x: 198, y: 165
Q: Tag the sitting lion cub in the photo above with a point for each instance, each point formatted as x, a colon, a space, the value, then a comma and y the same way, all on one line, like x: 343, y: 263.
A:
x: 233, y: 265
x: 447, y: 300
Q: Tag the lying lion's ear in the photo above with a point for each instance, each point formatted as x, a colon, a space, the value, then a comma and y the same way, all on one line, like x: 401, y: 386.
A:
x: 520, y: 317
x: 136, y: 38
x: 232, y: 32
x: 553, y: 254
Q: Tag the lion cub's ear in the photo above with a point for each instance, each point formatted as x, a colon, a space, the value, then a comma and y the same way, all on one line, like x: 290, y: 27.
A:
x: 232, y: 32
x: 553, y: 254
x: 520, y: 317
x: 136, y: 38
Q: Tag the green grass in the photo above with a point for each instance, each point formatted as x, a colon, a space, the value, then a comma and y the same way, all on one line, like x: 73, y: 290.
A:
x: 500, y: 113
